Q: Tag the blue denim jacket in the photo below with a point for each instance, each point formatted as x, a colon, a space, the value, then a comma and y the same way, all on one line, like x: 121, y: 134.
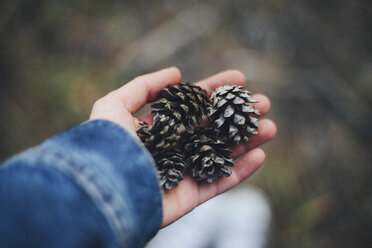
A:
x: 92, y: 186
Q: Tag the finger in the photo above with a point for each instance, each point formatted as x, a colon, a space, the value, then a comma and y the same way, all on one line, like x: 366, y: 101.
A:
x: 263, y: 105
x: 230, y: 76
x: 142, y: 89
x: 266, y: 131
x: 242, y: 169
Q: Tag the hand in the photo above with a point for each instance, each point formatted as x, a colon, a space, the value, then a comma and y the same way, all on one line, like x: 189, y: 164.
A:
x: 120, y: 105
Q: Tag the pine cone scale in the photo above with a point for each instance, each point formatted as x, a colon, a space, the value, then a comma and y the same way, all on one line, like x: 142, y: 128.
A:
x: 221, y: 103
x: 238, y: 100
x: 239, y: 119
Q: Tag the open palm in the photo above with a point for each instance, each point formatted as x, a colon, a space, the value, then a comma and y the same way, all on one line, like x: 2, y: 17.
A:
x: 120, y: 106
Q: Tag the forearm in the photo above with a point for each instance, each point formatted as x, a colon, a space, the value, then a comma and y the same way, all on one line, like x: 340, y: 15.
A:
x: 92, y: 185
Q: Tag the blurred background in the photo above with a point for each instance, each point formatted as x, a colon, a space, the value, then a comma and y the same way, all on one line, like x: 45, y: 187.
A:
x: 313, y: 58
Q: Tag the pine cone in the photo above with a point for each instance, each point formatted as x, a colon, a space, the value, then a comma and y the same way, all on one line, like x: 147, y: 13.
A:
x: 171, y: 167
x: 208, y: 157
x: 185, y: 103
x: 231, y: 110
x: 159, y: 137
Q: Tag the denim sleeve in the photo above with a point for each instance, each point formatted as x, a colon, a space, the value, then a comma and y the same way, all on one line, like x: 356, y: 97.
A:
x: 92, y: 186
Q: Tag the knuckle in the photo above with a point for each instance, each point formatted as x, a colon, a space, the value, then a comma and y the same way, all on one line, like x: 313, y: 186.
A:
x: 99, y: 103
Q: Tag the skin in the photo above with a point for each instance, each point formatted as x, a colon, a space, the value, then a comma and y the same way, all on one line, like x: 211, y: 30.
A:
x: 120, y: 105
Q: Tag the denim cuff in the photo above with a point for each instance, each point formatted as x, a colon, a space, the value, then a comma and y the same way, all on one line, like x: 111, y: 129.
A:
x: 115, y: 171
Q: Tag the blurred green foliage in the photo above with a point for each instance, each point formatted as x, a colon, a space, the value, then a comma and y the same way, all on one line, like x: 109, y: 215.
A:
x: 313, y: 58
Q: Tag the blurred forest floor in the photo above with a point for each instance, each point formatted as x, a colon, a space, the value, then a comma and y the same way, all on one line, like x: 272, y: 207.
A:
x: 313, y: 58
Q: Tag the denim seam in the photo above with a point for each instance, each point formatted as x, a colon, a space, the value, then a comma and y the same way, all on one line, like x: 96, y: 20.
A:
x: 97, y: 188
